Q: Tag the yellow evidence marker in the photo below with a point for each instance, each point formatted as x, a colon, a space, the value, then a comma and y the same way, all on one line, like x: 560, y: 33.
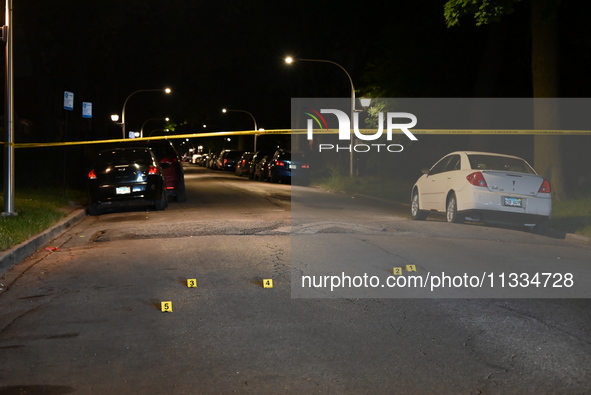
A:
x: 411, y: 268
x: 192, y: 282
x: 268, y: 283
x: 397, y: 271
x: 166, y: 307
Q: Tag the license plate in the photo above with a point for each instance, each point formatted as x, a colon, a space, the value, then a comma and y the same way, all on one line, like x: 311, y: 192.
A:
x: 512, y: 201
x: 292, y: 166
x: 122, y: 190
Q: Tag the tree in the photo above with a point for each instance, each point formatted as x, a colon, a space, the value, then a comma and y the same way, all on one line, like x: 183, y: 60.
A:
x: 544, y: 69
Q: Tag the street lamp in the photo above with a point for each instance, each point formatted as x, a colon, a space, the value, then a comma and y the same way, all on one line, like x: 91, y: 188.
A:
x: 290, y: 60
x: 151, y: 119
x: 225, y: 110
x: 165, y: 90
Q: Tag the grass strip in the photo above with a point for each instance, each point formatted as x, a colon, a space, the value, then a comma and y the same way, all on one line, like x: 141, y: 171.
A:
x: 36, y: 211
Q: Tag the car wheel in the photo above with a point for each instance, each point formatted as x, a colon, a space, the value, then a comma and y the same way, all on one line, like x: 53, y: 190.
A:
x: 181, y: 193
x: 93, y: 209
x: 451, y: 212
x: 160, y: 204
x: 415, y: 211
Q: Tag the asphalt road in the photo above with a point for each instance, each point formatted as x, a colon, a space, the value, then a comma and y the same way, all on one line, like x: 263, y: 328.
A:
x: 88, y: 319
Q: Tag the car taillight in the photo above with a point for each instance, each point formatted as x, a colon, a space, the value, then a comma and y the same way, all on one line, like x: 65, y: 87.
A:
x: 476, y: 179
x: 305, y: 166
x: 153, y: 170
x: 545, y: 188
x: 279, y: 163
x: 169, y: 160
x: 92, y: 175
x: 225, y: 162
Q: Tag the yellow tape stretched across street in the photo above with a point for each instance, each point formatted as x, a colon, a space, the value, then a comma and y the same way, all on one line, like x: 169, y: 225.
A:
x: 316, y: 132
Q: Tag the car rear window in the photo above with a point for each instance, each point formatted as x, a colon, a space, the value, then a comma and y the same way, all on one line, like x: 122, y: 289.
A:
x: 122, y: 157
x: 499, y: 163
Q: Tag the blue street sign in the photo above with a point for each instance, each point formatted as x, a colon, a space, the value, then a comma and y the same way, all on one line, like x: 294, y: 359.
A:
x: 86, y: 110
x: 68, y: 100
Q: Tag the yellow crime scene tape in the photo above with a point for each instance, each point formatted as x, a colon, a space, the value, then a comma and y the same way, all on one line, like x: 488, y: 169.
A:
x: 316, y: 133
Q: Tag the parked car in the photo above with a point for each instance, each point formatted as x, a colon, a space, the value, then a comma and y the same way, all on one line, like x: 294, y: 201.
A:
x: 211, y: 161
x: 261, y: 171
x: 285, y: 166
x: 484, y: 187
x: 255, y: 162
x: 171, y: 165
x: 227, y: 159
x: 243, y: 164
x: 126, y: 177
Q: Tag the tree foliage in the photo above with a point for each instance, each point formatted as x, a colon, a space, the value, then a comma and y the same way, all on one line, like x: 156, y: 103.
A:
x: 483, y: 11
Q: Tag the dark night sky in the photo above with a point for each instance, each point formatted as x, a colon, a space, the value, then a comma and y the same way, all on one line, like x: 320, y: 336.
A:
x: 230, y: 54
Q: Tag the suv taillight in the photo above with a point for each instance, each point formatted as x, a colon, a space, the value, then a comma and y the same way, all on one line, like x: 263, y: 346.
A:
x: 476, y: 179
x: 92, y: 175
x: 153, y: 170
x: 545, y: 188
x: 279, y: 163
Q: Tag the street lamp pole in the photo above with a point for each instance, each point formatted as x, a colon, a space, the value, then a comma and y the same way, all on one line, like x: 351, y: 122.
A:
x: 224, y: 110
x: 151, y: 119
x: 9, y: 116
x: 290, y: 60
x: 166, y: 90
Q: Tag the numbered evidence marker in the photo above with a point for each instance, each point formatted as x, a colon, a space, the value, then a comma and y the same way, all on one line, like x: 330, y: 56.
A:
x: 267, y: 283
x: 192, y: 282
x: 397, y: 271
x: 411, y: 268
x: 166, y: 307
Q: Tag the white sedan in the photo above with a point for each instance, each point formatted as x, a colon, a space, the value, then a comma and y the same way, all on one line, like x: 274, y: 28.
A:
x: 485, y: 187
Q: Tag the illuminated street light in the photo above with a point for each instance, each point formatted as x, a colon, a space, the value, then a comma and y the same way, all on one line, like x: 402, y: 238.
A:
x: 225, y: 110
x: 166, y: 90
x: 115, y: 117
x: 290, y: 60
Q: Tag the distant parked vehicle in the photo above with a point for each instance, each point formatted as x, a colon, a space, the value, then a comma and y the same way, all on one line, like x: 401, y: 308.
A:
x: 252, y: 170
x: 211, y: 160
x: 286, y: 166
x: 227, y: 159
x: 261, y: 171
x: 243, y: 164
x: 126, y: 177
x: 484, y: 187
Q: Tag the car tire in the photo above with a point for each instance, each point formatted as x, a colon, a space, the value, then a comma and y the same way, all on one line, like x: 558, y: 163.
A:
x: 451, y: 210
x: 181, y: 193
x: 93, y: 209
x: 160, y: 204
x: 415, y: 211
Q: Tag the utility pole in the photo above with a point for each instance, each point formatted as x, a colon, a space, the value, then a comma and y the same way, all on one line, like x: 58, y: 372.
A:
x: 8, y: 116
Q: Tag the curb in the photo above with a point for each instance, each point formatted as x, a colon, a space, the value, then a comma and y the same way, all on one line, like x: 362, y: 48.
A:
x: 18, y: 253
x: 571, y: 237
